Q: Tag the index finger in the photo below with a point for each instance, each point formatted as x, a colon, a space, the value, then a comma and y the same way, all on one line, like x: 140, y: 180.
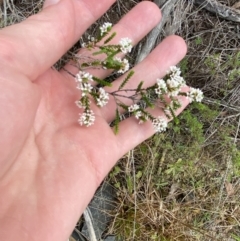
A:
x: 34, y: 45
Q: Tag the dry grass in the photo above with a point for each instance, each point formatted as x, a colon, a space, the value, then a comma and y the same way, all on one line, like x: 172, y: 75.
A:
x: 183, y: 184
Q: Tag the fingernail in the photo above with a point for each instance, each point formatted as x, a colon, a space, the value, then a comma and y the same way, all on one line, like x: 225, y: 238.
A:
x: 50, y: 2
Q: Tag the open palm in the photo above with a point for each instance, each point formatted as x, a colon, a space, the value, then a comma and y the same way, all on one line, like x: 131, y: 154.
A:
x: 50, y: 166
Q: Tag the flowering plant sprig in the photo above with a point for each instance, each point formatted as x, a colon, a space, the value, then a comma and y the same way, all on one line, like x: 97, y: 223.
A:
x: 165, y: 91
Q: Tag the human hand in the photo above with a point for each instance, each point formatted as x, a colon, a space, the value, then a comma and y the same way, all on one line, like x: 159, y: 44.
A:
x: 50, y: 166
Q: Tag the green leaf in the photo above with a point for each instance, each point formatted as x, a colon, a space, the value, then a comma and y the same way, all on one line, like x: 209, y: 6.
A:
x: 237, y: 238
x: 146, y: 116
x: 111, y: 63
x: 110, y: 38
x: 125, y: 107
x: 85, y: 65
x: 96, y: 63
x: 117, y: 121
x: 110, y: 49
x: 139, y: 88
x: 173, y: 114
x: 129, y: 184
x: 102, y: 82
x: 90, y: 64
x: 139, y: 175
x: 147, y: 101
x: 130, y: 74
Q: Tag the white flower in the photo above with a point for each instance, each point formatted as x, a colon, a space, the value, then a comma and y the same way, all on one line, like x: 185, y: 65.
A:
x: 87, y: 118
x: 174, y: 70
x: 172, y: 83
x: 195, y: 95
x: 138, y: 114
x: 83, y: 76
x: 175, y: 82
x: 161, y: 87
x: 125, y: 45
x: 125, y: 65
x: 85, y: 88
x: 133, y: 108
x: 103, y: 98
x: 161, y: 84
x: 173, y: 87
x: 92, y: 39
x: 144, y: 117
x: 159, y: 124
x: 106, y: 27
x: 179, y: 79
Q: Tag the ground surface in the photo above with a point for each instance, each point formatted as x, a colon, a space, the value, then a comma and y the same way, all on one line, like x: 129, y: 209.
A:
x: 183, y: 184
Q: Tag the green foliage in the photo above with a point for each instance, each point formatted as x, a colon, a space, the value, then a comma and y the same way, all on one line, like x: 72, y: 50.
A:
x: 102, y: 82
x: 206, y: 113
x: 110, y: 38
x: 129, y: 75
x: 236, y: 238
x: 147, y: 101
x: 229, y: 64
x: 212, y: 62
x: 178, y: 158
x: 111, y: 63
x: 109, y: 50
x: 105, y: 34
x: 233, y: 64
x: 184, y: 66
x: 236, y: 160
x: 198, y: 40
x: 139, y: 87
x: 94, y: 63
x: 176, y: 168
x: 129, y: 181
x: 234, y: 74
x: 117, y: 121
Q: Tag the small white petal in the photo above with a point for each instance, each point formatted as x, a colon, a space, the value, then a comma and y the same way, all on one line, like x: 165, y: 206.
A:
x: 159, y: 124
x: 125, y: 45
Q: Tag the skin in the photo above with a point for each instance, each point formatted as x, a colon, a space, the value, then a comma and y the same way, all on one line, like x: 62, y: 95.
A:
x: 50, y: 166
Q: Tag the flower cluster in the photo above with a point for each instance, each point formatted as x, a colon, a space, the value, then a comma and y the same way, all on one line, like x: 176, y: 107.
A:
x: 174, y: 81
x: 82, y: 78
x: 159, y: 124
x: 125, y: 45
x: 133, y: 108
x: 173, y: 84
x: 91, y: 42
x: 105, y: 28
x: 124, y: 65
x: 161, y: 87
x: 139, y: 113
x: 103, y: 97
x: 166, y: 91
x: 87, y: 118
x: 195, y: 95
